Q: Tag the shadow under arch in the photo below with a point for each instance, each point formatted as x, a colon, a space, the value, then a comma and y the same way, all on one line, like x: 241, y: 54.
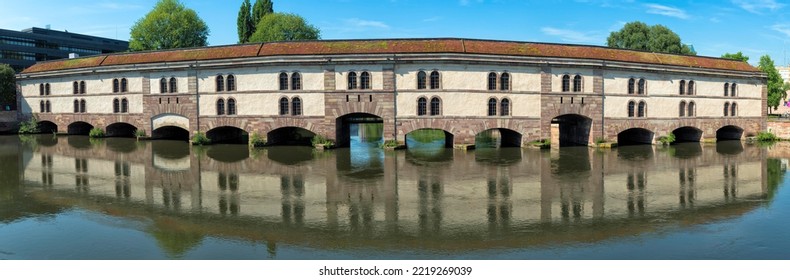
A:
x: 574, y: 130
x: 686, y: 150
x: 170, y: 149
x: 497, y: 137
x: 79, y: 128
x: 228, y: 135
x: 343, y: 125
x: 120, y: 129
x: 290, y: 136
x: 729, y: 132
x: 687, y: 134
x: 47, y: 127
x: 729, y: 147
x: 121, y: 145
x: 635, y: 136
x: 635, y: 152
x: 170, y: 132
x: 228, y: 153
x: 79, y: 142
x: 429, y: 138
x: 290, y: 155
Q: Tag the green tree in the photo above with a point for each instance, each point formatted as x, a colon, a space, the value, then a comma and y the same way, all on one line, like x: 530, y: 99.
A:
x: 244, y: 22
x: 169, y: 25
x: 7, y: 86
x: 640, y: 36
x: 260, y: 9
x: 777, y: 89
x: 284, y: 27
x: 736, y: 56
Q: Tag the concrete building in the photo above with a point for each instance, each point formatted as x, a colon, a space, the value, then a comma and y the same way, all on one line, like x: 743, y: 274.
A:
x: 571, y: 94
x: 22, y: 49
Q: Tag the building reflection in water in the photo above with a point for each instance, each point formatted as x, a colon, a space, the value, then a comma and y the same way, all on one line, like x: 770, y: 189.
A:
x: 436, y: 196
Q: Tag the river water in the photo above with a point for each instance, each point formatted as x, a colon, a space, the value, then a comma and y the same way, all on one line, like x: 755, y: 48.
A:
x: 70, y: 197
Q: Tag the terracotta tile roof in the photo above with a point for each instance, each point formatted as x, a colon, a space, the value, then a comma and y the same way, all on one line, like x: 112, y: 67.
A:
x: 396, y: 46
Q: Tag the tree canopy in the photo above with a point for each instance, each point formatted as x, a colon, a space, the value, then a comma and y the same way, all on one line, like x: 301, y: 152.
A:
x: 284, y: 27
x: 244, y: 22
x: 736, y: 56
x: 260, y: 9
x: 169, y: 25
x: 776, y: 85
x: 654, y: 38
x: 7, y: 85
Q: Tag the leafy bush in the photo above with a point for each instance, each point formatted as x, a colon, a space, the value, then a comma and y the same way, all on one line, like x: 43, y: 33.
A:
x: 321, y: 140
x: 139, y: 133
x: 765, y: 136
x: 599, y: 140
x: 201, y: 139
x: 96, y: 133
x: 29, y: 127
x: 667, y: 139
x: 391, y: 143
x: 257, y: 140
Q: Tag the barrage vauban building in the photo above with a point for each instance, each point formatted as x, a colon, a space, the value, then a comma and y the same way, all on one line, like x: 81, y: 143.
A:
x: 571, y: 94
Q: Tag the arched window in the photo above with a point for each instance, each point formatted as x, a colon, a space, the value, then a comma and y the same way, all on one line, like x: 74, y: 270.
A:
x: 284, y: 106
x: 682, y: 88
x: 231, y: 83
x: 726, y: 105
x: 642, y: 109
x: 422, y: 106
x: 726, y: 89
x: 296, y: 106
x: 504, y: 81
x: 733, y: 109
x: 41, y: 89
x: 504, y: 107
x: 492, y: 81
x: 41, y: 108
x: 231, y: 106
x: 492, y: 106
x: 421, y: 80
x: 577, y: 83
x: 116, y: 106
x: 124, y: 85
x: 352, y: 80
x: 631, y: 108
x: 49, y: 106
x: 434, y: 80
x: 283, y: 81
x: 173, y: 85
x: 631, y: 85
x: 641, y: 89
x: 82, y: 105
x: 46, y: 89
x: 364, y: 80
x: 691, y: 111
x: 116, y: 86
x: 566, y: 83
x: 682, y: 109
x: 76, y: 105
x: 220, y: 107
x: 296, y: 81
x: 691, y: 88
x: 732, y: 89
x: 76, y: 87
x: 220, y: 83
x: 436, y: 106
x: 82, y: 87
x: 162, y: 85
x: 124, y: 106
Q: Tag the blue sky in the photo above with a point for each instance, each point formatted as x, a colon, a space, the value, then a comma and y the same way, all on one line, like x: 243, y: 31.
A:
x: 713, y: 27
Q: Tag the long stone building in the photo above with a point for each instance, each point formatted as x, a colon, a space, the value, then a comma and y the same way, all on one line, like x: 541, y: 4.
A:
x: 571, y: 94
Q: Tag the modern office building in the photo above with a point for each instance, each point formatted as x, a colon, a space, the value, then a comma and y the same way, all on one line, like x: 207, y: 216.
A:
x: 21, y: 49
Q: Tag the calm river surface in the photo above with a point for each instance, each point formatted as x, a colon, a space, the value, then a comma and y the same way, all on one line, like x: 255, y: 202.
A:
x: 69, y: 197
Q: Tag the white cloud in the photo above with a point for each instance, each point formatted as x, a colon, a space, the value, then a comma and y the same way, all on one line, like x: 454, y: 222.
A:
x: 361, y: 23
x: 573, y: 36
x: 758, y: 6
x: 783, y: 28
x: 666, y: 11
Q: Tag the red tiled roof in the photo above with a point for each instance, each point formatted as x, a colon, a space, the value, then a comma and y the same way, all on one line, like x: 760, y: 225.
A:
x: 399, y: 46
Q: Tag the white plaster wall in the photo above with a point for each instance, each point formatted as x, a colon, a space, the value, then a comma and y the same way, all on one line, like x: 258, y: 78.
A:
x: 557, y: 73
x: 467, y: 77
x: 668, y: 107
x: 376, y: 75
x: 466, y: 104
x: 182, y: 81
x: 262, y: 78
x: 263, y: 103
x: 616, y: 82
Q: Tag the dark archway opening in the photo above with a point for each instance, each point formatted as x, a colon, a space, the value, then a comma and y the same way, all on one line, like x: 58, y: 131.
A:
x: 635, y: 136
x: 687, y: 134
x: 170, y: 133
x: 290, y: 136
x: 497, y: 138
x: 573, y: 130
x: 79, y: 128
x: 362, y: 128
x: 47, y: 127
x: 428, y: 139
x: 227, y: 135
x: 729, y: 132
x: 120, y: 130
